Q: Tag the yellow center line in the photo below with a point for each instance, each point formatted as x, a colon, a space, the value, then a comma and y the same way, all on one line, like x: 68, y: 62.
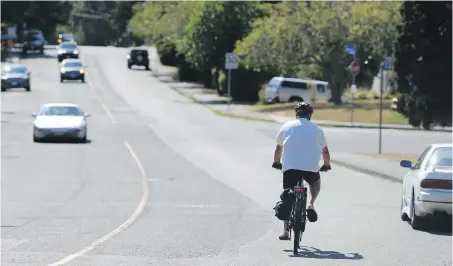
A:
x: 123, y: 226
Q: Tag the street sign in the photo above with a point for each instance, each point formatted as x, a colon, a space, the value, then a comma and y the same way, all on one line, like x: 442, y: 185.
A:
x: 353, y: 89
x: 387, y: 65
x: 350, y: 49
x: 355, y: 68
x: 231, y: 61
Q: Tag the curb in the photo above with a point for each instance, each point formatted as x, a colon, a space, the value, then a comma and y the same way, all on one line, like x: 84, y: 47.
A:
x: 368, y: 171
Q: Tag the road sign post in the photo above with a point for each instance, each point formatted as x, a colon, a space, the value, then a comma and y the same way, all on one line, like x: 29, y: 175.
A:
x: 385, y: 66
x: 355, y: 69
x: 231, y: 62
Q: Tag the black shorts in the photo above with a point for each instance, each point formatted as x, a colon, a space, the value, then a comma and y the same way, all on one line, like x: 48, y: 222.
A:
x: 291, y: 177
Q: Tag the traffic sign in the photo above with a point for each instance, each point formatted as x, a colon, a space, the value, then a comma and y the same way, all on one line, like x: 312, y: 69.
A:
x: 355, y: 68
x: 231, y: 61
x: 350, y: 49
x: 387, y: 65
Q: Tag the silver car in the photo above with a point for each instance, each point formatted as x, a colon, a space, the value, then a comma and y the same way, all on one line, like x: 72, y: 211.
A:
x: 60, y: 121
x: 15, y: 76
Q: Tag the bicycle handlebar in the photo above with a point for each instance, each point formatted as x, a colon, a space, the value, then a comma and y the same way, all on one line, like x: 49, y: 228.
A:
x: 323, y: 168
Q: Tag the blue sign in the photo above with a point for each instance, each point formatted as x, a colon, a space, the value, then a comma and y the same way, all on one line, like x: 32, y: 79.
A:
x: 350, y: 49
x: 387, y: 65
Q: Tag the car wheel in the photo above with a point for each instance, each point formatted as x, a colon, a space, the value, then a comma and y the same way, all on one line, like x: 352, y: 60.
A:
x: 3, y: 89
x: 416, y: 221
x: 35, y: 139
x: 61, y: 79
x: 403, y: 215
x: 129, y: 66
x: 83, y: 80
x: 295, y: 99
x: 41, y: 51
x: 28, y: 88
x: 147, y: 67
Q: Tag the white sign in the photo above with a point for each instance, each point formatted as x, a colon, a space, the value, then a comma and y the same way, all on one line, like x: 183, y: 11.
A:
x: 231, y: 61
x: 354, y: 88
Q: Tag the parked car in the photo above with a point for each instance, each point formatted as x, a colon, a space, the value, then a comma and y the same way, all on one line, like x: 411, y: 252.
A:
x: 72, y: 69
x: 138, y: 57
x: 15, y: 76
x: 427, y: 187
x: 34, y: 41
x: 67, y: 50
x: 280, y: 89
x: 60, y: 121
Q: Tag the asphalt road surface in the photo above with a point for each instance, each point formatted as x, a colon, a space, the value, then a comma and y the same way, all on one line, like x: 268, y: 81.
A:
x: 163, y: 181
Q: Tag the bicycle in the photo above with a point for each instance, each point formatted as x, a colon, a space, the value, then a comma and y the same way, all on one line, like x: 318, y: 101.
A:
x: 298, y: 214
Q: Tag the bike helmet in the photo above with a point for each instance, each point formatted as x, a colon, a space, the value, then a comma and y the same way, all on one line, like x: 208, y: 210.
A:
x: 303, y: 109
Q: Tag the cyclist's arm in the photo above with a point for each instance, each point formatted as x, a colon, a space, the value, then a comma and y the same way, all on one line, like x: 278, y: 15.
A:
x: 279, y: 146
x: 325, y: 149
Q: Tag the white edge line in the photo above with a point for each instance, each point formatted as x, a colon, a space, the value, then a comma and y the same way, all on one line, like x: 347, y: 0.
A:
x: 122, y: 227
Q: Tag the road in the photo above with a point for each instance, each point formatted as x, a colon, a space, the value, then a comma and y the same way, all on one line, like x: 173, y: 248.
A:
x: 163, y: 181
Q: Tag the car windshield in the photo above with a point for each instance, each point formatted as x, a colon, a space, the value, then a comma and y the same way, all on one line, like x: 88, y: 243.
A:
x: 139, y: 52
x: 73, y: 64
x: 68, y: 46
x: 17, y: 70
x: 61, y: 111
x: 32, y: 37
x: 441, y: 157
x: 68, y: 37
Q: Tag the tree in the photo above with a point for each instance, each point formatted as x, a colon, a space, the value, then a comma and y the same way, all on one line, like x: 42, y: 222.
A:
x: 296, y: 39
x: 423, y: 63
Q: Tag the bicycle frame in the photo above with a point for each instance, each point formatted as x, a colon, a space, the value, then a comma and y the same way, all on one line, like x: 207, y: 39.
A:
x: 300, y: 204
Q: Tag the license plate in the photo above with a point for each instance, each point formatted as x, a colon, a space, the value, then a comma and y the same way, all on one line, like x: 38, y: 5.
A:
x: 14, y: 83
x: 72, y: 75
x: 139, y: 58
x: 59, y: 133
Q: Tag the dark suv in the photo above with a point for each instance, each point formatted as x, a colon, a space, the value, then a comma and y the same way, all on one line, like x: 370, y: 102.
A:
x: 33, y: 42
x: 138, y: 57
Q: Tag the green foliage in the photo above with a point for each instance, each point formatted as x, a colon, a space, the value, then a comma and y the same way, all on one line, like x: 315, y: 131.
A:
x: 423, y: 63
x: 213, y: 29
x: 294, y: 38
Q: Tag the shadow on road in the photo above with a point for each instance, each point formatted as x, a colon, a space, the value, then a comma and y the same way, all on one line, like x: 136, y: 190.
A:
x: 439, y: 227
x: 314, y: 253
x: 33, y: 55
x: 65, y: 141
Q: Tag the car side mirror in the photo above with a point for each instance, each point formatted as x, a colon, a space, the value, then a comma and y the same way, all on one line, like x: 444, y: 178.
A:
x: 33, y: 114
x: 406, y: 164
x: 87, y: 115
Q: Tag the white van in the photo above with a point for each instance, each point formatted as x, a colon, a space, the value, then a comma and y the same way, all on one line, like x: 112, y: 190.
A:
x: 281, y: 89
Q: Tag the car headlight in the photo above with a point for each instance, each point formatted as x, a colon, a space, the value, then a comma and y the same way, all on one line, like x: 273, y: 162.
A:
x: 82, y: 71
x: 76, y: 52
x: 61, y: 51
x: 63, y: 71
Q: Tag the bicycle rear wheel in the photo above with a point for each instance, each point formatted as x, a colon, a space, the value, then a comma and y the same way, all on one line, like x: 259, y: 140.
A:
x: 297, y: 227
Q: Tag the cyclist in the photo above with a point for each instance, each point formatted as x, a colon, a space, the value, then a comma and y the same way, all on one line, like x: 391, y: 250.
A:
x: 301, y: 143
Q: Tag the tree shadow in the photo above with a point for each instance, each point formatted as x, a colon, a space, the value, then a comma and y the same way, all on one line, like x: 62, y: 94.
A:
x: 314, y: 253
x: 37, y: 55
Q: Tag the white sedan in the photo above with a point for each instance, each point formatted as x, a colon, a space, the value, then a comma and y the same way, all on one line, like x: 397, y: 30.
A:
x: 60, y: 120
x: 427, y: 187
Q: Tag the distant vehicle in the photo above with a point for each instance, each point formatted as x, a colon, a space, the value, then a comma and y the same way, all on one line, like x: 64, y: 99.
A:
x: 60, y: 120
x: 15, y: 76
x: 66, y: 37
x: 427, y: 187
x: 280, y: 89
x: 67, y: 50
x: 138, y: 57
x: 72, y: 69
x: 34, y: 41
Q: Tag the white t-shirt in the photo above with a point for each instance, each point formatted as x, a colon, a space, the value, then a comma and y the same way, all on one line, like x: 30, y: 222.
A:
x: 302, y: 143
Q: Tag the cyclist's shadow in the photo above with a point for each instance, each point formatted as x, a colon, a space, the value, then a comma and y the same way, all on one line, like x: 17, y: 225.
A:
x: 314, y: 253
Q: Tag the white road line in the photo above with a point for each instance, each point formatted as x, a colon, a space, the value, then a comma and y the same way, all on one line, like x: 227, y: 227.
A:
x: 126, y: 224
x: 90, y: 84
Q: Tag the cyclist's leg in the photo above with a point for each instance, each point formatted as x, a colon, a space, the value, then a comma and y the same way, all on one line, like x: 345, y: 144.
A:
x: 314, y: 181
x: 290, y: 178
